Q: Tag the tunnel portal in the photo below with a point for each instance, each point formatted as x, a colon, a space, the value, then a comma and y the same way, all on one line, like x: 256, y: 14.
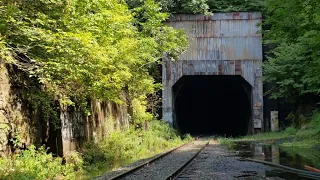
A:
x: 216, y: 84
x: 218, y: 105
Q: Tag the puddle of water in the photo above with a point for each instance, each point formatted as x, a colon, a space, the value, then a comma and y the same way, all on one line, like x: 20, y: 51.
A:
x: 287, y: 156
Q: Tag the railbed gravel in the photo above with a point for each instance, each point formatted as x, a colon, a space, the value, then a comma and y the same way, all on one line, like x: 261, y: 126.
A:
x: 215, y: 162
x: 165, y: 166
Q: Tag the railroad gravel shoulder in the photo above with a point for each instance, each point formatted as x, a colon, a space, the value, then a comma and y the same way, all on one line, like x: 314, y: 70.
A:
x: 215, y: 162
x: 124, y: 169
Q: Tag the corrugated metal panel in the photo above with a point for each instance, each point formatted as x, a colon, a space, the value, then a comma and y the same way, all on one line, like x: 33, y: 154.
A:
x: 236, y: 48
x: 220, y: 28
x: 246, y: 68
x: 229, y: 36
x: 217, y: 16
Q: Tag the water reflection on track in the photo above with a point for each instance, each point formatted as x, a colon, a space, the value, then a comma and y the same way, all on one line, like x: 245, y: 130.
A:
x: 296, y: 158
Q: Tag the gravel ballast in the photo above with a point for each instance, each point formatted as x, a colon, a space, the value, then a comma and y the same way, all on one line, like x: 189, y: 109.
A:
x: 164, y: 166
x: 215, y: 162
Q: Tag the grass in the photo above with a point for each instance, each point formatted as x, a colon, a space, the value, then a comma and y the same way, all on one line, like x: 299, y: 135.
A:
x: 37, y: 164
x: 122, y: 148
x: 118, y: 149
x: 303, y: 138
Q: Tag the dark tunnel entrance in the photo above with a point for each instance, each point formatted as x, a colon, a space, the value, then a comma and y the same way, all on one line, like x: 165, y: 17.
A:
x: 218, y: 105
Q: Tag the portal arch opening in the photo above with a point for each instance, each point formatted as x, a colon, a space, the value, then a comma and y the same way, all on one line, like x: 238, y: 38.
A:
x: 212, y: 104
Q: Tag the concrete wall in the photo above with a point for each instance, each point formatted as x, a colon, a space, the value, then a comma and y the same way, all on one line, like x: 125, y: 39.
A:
x: 222, y: 44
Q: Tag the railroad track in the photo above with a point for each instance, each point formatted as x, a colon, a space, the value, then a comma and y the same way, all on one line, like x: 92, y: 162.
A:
x: 167, y: 165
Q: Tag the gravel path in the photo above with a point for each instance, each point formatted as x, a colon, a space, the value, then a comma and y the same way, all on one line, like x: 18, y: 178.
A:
x: 215, y: 162
x: 163, y: 167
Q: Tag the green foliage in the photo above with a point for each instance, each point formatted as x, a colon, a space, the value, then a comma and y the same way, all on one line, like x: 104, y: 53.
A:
x: 306, y: 137
x: 194, y: 6
x: 293, y: 65
x: 206, y: 6
x: 290, y: 130
x: 84, y: 49
x: 286, y: 70
x: 235, y: 5
x: 187, y: 137
x: 296, y: 120
x: 228, y: 142
x: 36, y: 164
x: 139, y: 114
x: 264, y: 136
x: 132, y: 144
x: 315, y: 123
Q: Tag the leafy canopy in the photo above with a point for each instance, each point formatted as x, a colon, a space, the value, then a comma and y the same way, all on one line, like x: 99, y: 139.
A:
x: 79, y: 50
x: 87, y: 49
x: 294, y: 64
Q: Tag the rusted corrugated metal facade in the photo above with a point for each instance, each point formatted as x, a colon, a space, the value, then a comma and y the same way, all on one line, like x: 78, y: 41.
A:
x: 222, y: 44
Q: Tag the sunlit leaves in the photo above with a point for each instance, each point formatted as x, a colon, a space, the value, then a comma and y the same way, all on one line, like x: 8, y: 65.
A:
x: 88, y: 49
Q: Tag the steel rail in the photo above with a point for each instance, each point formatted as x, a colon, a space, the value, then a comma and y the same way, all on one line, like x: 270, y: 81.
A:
x: 130, y: 171
x: 182, y: 168
x: 303, y: 173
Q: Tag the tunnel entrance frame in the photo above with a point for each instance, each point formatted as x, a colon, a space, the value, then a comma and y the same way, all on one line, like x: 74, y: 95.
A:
x: 222, y: 44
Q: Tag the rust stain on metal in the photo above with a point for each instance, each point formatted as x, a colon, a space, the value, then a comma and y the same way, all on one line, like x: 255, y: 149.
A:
x: 257, y: 108
x: 235, y: 15
x: 228, y: 52
x: 244, y: 53
x: 249, y: 16
x: 238, y: 70
x: 220, y: 69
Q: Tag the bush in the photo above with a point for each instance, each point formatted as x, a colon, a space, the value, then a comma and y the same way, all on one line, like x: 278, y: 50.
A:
x: 290, y: 130
x: 132, y: 144
x: 315, y: 123
x: 296, y: 120
x: 187, y: 137
x: 35, y: 164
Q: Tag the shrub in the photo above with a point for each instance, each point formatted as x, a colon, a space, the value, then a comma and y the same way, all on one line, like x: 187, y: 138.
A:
x: 35, y: 164
x: 187, y: 137
x: 132, y: 144
x: 74, y: 159
x: 296, y: 120
x: 315, y: 123
x: 291, y: 130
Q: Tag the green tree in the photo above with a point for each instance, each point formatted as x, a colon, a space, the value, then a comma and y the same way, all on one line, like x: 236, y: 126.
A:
x: 85, y: 49
x: 235, y: 5
x: 294, y: 64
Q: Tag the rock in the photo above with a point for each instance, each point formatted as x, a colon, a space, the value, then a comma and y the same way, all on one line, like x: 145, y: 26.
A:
x: 3, y: 139
x: 2, y: 104
x: 3, y: 118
